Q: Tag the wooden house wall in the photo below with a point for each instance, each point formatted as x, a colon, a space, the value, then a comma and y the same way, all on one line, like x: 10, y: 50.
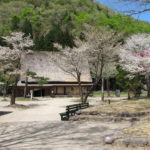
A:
x: 49, y: 91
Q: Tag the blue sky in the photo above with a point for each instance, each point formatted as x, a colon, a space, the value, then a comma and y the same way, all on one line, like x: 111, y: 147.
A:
x: 122, y: 7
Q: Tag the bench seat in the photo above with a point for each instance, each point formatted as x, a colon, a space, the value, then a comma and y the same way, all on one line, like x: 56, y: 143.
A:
x: 71, y: 110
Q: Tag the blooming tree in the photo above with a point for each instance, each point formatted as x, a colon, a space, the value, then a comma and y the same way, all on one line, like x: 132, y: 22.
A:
x: 10, y: 57
x: 102, y: 51
x: 135, y: 56
x: 72, y: 61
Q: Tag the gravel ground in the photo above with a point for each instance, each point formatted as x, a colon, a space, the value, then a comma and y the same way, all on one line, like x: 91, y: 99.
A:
x: 55, y: 135
x: 40, y: 128
x: 47, y: 109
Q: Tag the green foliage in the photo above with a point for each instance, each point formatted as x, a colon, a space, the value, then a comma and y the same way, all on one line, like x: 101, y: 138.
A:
x: 6, y: 78
x: 2, y: 42
x: 15, y: 20
x: 6, y: 81
x: 61, y: 21
x: 125, y: 24
x: 31, y: 74
x: 27, y: 28
x: 4, y: 30
x: 127, y: 81
x: 40, y: 80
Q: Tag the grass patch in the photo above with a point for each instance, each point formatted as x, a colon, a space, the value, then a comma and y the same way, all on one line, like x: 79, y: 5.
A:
x: 112, y: 94
x: 131, y: 106
x: 25, y: 99
x: 141, y: 130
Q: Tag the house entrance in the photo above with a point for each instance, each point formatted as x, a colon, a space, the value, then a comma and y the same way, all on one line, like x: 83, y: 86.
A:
x: 39, y: 92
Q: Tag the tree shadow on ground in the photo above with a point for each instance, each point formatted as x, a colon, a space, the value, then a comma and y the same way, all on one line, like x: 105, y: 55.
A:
x: 51, y: 135
x: 5, y: 112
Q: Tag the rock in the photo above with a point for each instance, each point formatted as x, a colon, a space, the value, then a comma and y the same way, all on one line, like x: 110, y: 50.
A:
x: 125, y: 114
x: 125, y: 142
x: 109, y: 140
x: 118, y: 119
x: 139, y: 142
x: 107, y: 119
x: 148, y: 142
x: 94, y: 113
x: 134, y: 119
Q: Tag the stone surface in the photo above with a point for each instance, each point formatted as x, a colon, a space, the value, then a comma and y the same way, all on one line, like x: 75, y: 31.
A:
x: 137, y: 142
x: 109, y: 140
x: 148, y: 143
x: 124, y: 142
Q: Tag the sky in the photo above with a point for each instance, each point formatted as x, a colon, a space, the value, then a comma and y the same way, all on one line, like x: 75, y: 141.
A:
x: 123, y: 7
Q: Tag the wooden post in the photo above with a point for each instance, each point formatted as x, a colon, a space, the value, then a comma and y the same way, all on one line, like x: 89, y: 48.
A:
x: 102, y: 89
x: 108, y: 87
x: 31, y: 93
x: 25, y: 89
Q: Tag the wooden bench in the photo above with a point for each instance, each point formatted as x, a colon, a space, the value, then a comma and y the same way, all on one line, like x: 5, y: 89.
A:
x: 71, y: 110
x: 84, y: 105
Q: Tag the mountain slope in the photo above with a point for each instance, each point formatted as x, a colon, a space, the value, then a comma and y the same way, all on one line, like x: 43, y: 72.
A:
x: 49, y: 21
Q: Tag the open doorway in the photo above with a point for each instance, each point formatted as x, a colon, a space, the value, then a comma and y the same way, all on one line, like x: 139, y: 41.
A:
x: 39, y: 93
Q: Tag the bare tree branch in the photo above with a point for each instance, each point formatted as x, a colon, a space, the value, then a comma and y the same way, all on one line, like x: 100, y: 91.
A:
x: 144, y: 6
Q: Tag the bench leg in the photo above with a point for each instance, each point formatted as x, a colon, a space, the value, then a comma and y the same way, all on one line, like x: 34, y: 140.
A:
x: 64, y: 117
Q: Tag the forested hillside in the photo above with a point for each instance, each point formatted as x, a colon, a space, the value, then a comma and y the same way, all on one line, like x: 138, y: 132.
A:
x: 49, y: 21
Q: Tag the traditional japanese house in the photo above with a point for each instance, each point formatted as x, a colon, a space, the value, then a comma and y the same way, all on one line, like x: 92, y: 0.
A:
x: 59, y: 82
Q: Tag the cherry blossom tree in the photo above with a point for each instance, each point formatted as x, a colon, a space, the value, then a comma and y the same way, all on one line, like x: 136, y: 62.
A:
x: 102, y: 51
x: 10, y: 57
x: 135, y: 56
x: 73, y: 62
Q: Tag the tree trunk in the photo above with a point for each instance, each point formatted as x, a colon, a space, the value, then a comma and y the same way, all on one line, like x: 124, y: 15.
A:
x: 80, y: 88
x: 98, y: 79
x: 25, y: 89
x: 91, y: 90
x: 148, y: 86
x: 108, y: 87
x: 129, y: 94
x: 102, y: 89
x: 13, y: 91
x: 13, y: 96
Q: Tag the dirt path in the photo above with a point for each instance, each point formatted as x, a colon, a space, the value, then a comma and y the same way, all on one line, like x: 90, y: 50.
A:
x: 44, y: 110
x: 55, y: 135
x: 40, y: 128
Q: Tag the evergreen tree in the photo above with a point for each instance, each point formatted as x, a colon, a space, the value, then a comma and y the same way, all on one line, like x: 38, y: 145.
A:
x: 27, y: 28
x: 15, y: 23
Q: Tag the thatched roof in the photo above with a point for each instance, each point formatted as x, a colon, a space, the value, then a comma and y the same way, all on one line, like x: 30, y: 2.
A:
x: 39, y: 62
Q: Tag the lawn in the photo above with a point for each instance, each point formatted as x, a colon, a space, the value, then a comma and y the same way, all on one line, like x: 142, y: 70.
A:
x: 112, y: 94
x: 131, y: 106
x: 19, y: 98
x: 141, y: 130
x: 25, y: 99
